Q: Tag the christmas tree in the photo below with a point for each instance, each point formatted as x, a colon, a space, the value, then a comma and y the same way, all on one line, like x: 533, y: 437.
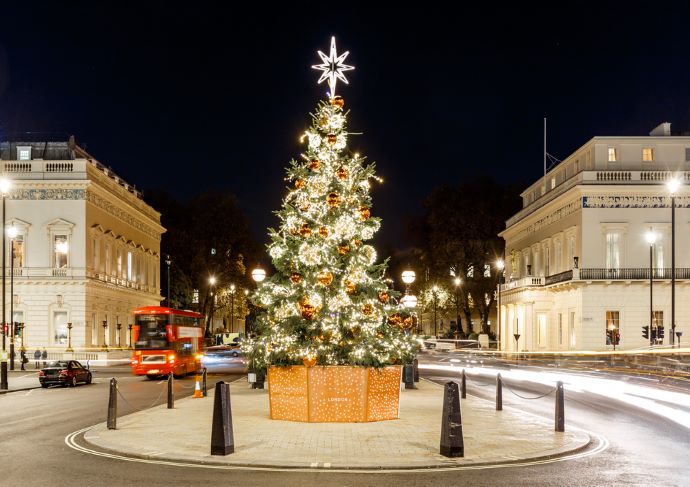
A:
x: 328, y: 303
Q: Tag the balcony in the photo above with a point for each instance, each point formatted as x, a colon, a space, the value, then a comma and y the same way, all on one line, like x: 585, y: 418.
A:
x: 597, y: 274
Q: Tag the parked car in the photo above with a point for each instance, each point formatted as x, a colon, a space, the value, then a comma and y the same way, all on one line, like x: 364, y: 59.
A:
x: 65, y: 373
x: 224, y: 359
x: 450, y: 344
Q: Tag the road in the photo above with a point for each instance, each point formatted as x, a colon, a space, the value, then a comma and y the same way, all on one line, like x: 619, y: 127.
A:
x: 644, y: 448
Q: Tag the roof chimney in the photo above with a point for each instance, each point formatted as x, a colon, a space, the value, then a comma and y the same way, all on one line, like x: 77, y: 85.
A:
x: 661, y: 130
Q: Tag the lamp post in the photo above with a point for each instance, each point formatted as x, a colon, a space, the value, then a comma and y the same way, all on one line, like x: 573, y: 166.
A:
x: 651, y: 240
x: 408, y: 277
x: 119, y: 335
x: 168, y: 261
x: 500, y: 265
x: 434, y: 291
x: 129, y: 328
x: 105, y: 335
x: 232, y: 308
x: 69, y: 338
x: 458, y: 282
x: 212, y: 282
x: 12, y: 233
x: 4, y: 188
x: 672, y: 185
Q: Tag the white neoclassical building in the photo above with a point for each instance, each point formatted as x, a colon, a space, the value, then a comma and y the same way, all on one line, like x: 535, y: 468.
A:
x: 577, y: 257
x: 87, y: 249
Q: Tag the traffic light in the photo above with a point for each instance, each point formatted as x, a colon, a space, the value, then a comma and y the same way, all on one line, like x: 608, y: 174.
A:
x: 660, y: 332
x: 653, y: 335
x: 645, y: 332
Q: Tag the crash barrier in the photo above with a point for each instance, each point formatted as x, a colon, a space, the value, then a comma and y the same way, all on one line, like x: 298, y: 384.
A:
x: 452, y: 441
x: 222, y: 439
x: 558, y: 389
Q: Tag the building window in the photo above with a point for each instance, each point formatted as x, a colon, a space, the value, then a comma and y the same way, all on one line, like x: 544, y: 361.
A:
x: 547, y: 258
x: 487, y: 270
x: 571, y: 327
x: 23, y: 153
x: 613, y: 250
x: 613, y: 336
x: 553, y: 183
x: 613, y: 157
x: 108, y: 257
x: 647, y: 154
x: 60, y: 327
x: 658, y: 319
x: 541, y: 338
x: 94, y: 329
x: 61, y: 251
x: 560, y: 328
x: 95, y: 254
x: 18, y: 251
x: 558, y: 256
x: 119, y: 262
x: 687, y: 154
x: 129, y: 266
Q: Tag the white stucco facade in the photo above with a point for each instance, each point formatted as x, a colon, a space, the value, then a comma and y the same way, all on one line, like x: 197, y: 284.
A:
x: 577, y: 259
x: 87, y: 249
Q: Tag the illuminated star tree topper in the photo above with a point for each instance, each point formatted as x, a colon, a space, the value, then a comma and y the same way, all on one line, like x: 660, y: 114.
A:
x: 332, y: 67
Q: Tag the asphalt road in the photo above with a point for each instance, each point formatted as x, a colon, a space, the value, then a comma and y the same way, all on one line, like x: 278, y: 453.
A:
x: 644, y: 449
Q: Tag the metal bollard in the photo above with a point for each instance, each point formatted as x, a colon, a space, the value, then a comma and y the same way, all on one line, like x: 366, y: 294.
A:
x: 560, y: 403
x: 222, y: 439
x: 408, y: 376
x: 112, y: 405
x: 3, y: 376
x: 415, y: 363
x: 260, y: 378
x: 452, y: 441
x: 204, y: 385
x: 463, y: 385
x: 171, y: 394
x: 499, y: 393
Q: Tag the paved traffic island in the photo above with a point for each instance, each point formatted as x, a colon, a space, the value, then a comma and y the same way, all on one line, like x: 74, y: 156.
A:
x: 184, y: 434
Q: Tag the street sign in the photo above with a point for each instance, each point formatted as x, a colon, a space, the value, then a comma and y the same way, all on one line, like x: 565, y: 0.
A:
x: 4, y: 356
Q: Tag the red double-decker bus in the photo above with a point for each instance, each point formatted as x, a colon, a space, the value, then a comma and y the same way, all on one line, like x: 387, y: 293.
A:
x: 167, y: 340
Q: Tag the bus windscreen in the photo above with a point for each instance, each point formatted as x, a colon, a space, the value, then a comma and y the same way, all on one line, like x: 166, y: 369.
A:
x: 152, y: 334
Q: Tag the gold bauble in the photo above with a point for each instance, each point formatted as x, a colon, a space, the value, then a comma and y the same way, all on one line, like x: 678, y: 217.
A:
x: 296, y: 277
x: 299, y: 183
x: 305, y: 230
x: 342, y: 174
x: 309, y: 361
x: 394, y: 319
x: 364, y: 213
x: 350, y: 287
x: 367, y: 309
x: 314, y: 164
x: 357, y: 242
x: 306, y: 309
x: 407, y: 323
x: 383, y: 297
x: 325, y: 278
x: 356, y: 330
x: 331, y: 138
x: 337, y: 101
x: 333, y: 200
x: 343, y: 249
x: 305, y: 207
x: 323, y: 231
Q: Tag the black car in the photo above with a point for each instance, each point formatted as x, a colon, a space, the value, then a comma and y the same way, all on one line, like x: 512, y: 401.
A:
x: 65, y: 373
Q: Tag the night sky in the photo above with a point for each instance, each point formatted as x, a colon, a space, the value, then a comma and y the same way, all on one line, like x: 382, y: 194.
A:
x: 215, y: 96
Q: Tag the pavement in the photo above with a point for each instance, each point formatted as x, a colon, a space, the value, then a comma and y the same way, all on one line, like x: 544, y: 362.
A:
x: 183, y: 434
x: 21, y: 380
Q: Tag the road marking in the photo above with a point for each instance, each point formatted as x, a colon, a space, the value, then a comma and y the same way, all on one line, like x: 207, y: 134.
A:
x: 70, y: 440
x: 29, y: 392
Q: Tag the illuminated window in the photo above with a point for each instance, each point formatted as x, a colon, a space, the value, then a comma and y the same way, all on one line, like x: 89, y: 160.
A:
x: 129, y: 266
x: 18, y: 251
x: 613, y: 250
x: 60, y: 251
x: 658, y: 319
x: 647, y: 154
x: 612, y: 154
x: 23, y: 153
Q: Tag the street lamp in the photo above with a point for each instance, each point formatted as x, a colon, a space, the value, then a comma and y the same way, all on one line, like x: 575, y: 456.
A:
x: 168, y: 261
x: 69, y: 338
x: 212, y: 282
x: 12, y: 233
x: 651, y: 240
x: 434, y: 291
x: 408, y: 277
x: 105, y: 335
x: 458, y: 282
x: 4, y: 188
x: 232, y: 308
x: 129, y: 327
x: 672, y: 185
x: 119, y: 335
x: 258, y: 274
x: 500, y: 265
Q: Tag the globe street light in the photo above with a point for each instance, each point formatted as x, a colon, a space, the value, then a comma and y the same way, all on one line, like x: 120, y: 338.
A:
x: 408, y: 277
x: 258, y: 274
x: 4, y: 188
x: 212, y: 282
x: 12, y: 234
x: 673, y: 185
x: 651, y: 240
x: 232, y: 307
x: 500, y: 265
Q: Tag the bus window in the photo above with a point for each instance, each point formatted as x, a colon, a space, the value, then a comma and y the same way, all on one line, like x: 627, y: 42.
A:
x: 152, y: 333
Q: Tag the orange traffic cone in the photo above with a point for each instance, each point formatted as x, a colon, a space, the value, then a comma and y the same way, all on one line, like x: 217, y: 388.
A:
x: 197, y: 389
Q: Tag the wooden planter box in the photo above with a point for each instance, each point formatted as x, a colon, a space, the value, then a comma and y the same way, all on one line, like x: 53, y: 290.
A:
x: 334, y: 394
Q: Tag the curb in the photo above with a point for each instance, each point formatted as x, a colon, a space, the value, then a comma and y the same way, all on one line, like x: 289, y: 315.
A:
x: 18, y: 390
x: 449, y: 465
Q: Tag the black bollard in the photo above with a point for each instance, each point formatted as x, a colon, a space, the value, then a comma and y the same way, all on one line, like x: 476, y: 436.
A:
x: 560, y: 403
x: 3, y: 376
x: 222, y: 440
x: 452, y: 441
x: 463, y: 386
x: 260, y: 378
x: 499, y: 393
x: 171, y: 394
x: 205, y: 386
x: 415, y: 363
x: 408, y: 376
x: 112, y: 405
